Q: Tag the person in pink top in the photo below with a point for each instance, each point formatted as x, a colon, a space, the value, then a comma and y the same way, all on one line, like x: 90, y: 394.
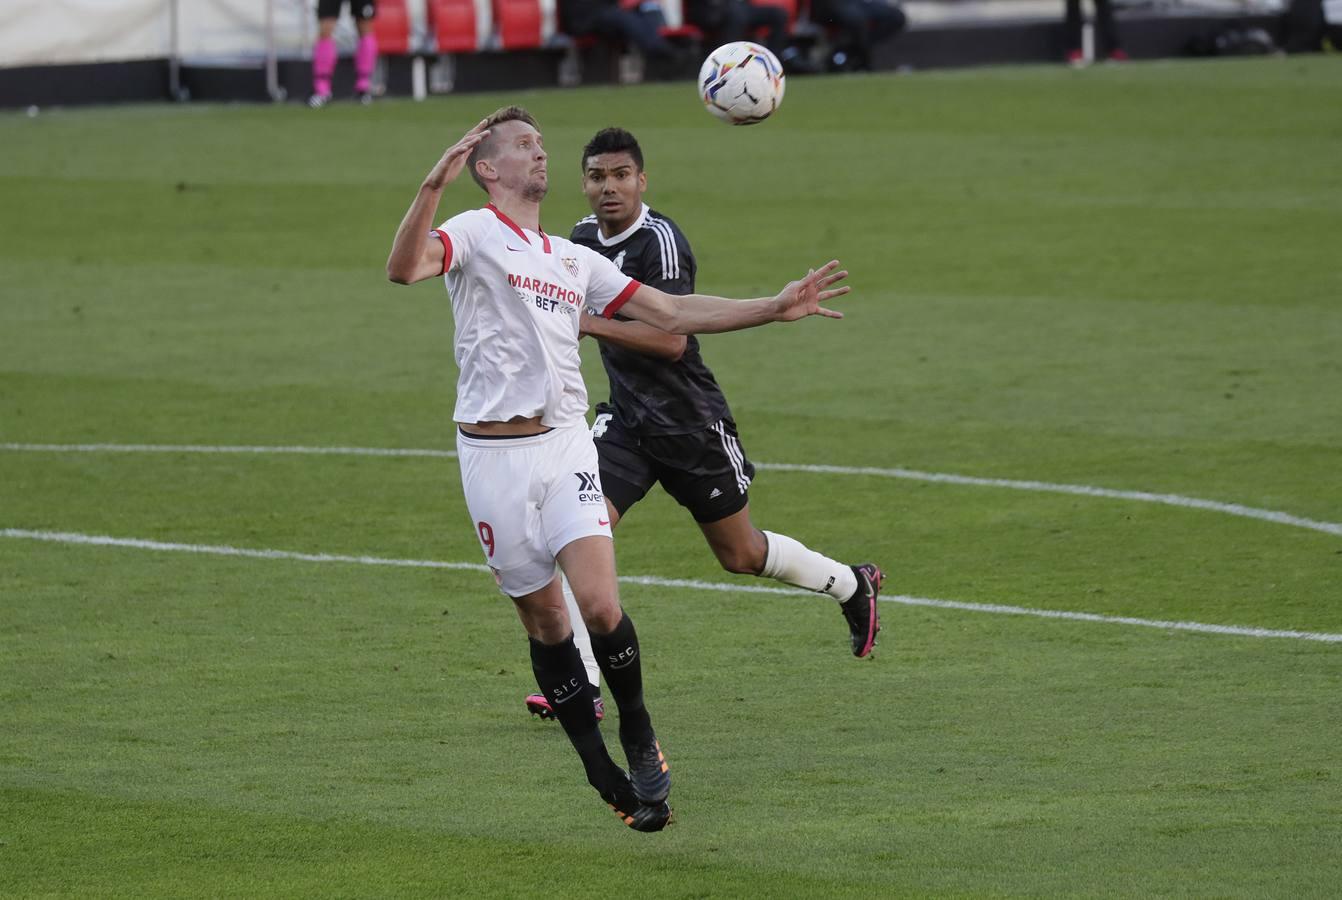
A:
x: 324, y: 51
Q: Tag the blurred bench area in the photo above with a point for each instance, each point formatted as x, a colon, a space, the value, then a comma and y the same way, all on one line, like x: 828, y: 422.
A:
x: 102, y: 51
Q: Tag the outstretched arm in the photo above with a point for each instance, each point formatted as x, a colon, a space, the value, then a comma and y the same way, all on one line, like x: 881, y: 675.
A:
x: 414, y: 256
x: 702, y: 314
x: 634, y: 336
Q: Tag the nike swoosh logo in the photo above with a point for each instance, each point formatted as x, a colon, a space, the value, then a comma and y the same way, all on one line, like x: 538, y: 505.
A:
x: 516, y: 250
x: 603, y: 521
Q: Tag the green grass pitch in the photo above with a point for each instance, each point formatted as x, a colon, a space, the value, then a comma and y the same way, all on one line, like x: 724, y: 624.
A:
x: 1125, y: 278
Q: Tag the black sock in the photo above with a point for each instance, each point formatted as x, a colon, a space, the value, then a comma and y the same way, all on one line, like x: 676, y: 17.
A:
x: 617, y: 655
x: 562, y: 679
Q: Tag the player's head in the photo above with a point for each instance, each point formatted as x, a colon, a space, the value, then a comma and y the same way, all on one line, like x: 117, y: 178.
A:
x: 613, y: 179
x: 512, y: 158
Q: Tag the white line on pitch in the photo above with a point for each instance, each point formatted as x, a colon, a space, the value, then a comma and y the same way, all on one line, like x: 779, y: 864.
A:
x: 66, y: 537
x: 206, y: 448
x: 1083, y: 490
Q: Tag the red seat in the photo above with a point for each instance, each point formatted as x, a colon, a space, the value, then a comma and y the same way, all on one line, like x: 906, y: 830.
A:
x: 454, y: 24
x: 391, y: 26
x: 521, y: 24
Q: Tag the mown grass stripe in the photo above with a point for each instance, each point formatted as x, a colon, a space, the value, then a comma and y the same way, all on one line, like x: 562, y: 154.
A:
x: 1082, y: 490
x: 69, y: 537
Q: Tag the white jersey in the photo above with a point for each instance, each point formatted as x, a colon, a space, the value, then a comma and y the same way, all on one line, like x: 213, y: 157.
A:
x: 516, y: 296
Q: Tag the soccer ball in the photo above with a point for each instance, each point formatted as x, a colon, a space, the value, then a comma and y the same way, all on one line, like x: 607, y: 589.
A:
x: 741, y: 83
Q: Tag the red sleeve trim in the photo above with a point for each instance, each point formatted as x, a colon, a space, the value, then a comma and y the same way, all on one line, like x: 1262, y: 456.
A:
x: 447, y: 250
x: 614, y: 306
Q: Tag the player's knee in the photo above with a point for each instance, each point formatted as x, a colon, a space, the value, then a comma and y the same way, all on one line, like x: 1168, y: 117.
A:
x: 740, y: 560
x: 601, y: 613
x: 547, y: 624
x: 604, y: 621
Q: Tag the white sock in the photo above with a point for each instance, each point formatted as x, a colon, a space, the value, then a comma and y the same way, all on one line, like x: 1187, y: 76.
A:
x: 792, y: 562
x: 580, y: 635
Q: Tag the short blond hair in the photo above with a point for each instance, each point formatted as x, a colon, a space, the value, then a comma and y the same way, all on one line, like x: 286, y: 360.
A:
x: 485, y: 149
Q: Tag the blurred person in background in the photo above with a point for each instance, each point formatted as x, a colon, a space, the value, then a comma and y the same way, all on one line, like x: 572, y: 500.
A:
x: 1308, y: 22
x: 1106, y: 33
x: 738, y: 20
x: 610, y: 21
x: 862, y: 24
x: 324, y: 51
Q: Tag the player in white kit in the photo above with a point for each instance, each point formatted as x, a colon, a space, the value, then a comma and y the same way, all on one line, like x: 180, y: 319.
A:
x: 528, y: 465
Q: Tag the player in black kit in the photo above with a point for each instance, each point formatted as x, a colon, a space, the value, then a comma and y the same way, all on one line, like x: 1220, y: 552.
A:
x: 667, y: 420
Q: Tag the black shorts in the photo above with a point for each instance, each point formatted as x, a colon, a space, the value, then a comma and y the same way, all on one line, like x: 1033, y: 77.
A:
x: 360, y: 9
x: 706, y: 472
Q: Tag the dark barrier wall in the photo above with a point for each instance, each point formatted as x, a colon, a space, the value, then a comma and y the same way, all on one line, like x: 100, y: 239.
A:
x: 1146, y: 35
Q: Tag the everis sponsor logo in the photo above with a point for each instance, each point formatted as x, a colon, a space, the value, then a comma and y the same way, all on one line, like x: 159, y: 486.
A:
x: 588, y: 489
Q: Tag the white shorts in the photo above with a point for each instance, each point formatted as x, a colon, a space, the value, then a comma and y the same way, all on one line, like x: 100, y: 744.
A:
x: 529, y: 497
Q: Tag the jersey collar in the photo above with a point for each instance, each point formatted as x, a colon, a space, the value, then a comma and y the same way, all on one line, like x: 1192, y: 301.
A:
x: 545, y: 238
x: 623, y: 235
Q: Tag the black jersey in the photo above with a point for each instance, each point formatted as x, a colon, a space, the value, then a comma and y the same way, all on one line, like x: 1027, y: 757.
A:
x: 654, y: 396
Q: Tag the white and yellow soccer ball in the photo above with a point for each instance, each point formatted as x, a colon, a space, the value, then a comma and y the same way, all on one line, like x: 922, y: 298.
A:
x: 741, y: 83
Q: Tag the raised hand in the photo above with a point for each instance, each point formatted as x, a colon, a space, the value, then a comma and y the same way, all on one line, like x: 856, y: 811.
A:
x: 803, y: 298
x: 454, y: 160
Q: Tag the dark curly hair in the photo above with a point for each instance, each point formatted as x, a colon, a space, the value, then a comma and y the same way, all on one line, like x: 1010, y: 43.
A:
x: 612, y: 140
